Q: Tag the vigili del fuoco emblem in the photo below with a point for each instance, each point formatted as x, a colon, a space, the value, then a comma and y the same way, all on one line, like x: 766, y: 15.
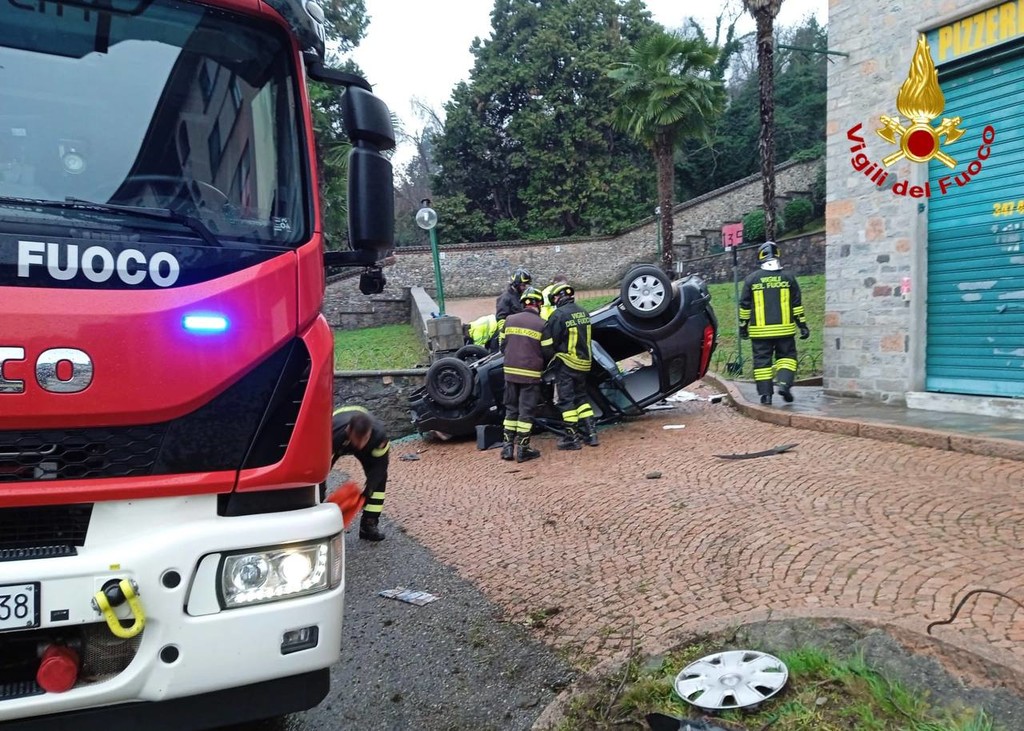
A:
x: 920, y: 100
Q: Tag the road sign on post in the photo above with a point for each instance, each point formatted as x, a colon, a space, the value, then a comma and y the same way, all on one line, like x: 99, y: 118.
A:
x: 732, y: 238
x: 732, y: 235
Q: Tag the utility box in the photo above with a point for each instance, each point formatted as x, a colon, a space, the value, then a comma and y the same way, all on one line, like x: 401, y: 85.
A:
x: 444, y: 334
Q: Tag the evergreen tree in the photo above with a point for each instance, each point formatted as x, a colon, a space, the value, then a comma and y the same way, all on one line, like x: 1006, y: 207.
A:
x: 528, y: 141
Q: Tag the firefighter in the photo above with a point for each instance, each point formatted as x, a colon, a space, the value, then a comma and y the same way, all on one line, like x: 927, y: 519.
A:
x: 547, y: 308
x: 567, y: 349
x: 356, y: 432
x: 482, y: 332
x: 523, y: 366
x: 508, y: 301
x: 770, y: 314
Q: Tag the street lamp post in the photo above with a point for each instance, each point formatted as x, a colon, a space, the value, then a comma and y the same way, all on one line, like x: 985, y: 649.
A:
x: 657, y: 225
x: 426, y: 218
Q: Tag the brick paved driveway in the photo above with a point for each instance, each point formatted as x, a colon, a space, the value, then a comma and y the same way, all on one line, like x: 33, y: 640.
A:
x: 840, y: 525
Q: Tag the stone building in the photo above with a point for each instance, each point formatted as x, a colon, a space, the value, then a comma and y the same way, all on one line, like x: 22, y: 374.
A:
x: 924, y: 269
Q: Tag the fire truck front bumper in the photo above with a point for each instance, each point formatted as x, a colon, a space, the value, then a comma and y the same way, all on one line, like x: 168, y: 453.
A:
x: 171, y: 616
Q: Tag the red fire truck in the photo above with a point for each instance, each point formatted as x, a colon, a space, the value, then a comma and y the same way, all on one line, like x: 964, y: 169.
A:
x: 165, y: 372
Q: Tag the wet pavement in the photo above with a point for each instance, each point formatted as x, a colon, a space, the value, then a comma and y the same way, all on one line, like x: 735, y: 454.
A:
x: 814, y: 409
x: 653, y: 536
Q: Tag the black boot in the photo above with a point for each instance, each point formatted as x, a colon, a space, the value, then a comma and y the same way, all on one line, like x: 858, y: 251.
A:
x: 525, y: 452
x: 368, y: 529
x: 570, y: 441
x: 786, y: 394
x: 507, y: 448
x: 766, y: 398
x: 588, y: 430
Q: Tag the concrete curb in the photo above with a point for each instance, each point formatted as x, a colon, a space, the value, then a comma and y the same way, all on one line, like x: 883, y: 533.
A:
x: 998, y: 668
x: 912, y: 435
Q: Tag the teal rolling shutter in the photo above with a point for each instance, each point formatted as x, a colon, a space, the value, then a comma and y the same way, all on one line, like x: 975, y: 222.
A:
x: 976, y: 258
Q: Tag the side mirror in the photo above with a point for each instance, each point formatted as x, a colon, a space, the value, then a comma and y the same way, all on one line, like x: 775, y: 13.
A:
x: 371, y: 193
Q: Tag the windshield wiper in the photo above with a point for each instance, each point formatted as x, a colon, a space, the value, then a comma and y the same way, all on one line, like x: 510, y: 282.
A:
x: 158, y: 214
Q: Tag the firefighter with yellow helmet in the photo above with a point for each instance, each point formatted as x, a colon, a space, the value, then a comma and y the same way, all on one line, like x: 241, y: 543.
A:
x: 567, y: 347
x: 523, y: 365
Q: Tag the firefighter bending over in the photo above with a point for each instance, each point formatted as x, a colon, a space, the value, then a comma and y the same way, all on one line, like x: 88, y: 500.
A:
x: 356, y: 432
x: 567, y: 347
x: 523, y: 365
x: 770, y: 314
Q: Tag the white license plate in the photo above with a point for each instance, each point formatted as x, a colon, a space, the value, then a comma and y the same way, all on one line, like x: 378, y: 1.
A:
x: 19, y: 606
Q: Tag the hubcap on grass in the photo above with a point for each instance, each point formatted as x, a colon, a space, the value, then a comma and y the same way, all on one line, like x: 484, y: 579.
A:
x: 733, y: 679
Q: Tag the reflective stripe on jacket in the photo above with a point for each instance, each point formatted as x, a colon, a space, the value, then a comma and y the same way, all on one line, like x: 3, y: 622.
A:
x: 771, y: 304
x: 482, y: 328
x: 521, y: 345
x: 567, y: 336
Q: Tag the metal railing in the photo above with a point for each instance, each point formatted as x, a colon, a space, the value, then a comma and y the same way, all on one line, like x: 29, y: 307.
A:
x: 727, y: 363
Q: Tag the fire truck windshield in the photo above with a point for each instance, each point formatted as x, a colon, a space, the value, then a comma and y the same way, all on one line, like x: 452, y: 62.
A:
x: 153, y: 103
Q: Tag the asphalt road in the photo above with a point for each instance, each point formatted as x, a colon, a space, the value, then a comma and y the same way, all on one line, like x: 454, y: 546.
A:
x: 451, y: 665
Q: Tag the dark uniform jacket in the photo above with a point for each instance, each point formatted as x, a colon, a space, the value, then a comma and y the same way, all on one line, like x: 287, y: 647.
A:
x: 771, y: 304
x: 373, y: 457
x: 567, y: 336
x: 524, y: 361
x: 508, y: 303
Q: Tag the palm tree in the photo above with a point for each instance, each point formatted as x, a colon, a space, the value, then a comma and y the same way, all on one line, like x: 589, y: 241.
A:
x: 666, y: 95
x: 764, y: 12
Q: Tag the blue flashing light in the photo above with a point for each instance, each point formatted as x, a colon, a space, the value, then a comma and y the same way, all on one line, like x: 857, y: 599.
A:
x: 205, y: 323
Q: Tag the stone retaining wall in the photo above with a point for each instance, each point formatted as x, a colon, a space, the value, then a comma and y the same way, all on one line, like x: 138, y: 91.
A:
x: 384, y: 393
x: 482, y: 269
x: 801, y: 255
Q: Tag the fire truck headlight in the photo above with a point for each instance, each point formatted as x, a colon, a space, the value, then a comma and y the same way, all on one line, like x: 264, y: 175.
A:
x: 276, y: 573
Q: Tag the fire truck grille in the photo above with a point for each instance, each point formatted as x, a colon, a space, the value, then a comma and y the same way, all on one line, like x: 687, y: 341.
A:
x: 103, y: 656
x: 70, y: 454
x: 19, y: 689
x: 31, y: 529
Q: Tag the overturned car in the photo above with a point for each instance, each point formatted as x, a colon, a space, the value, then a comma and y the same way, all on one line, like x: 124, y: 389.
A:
x: 654, y: 339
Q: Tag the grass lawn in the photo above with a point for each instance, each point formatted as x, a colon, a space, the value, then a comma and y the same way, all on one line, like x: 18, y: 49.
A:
x: 592, y: 303
x: 388, y: 347
x: 822, y: 694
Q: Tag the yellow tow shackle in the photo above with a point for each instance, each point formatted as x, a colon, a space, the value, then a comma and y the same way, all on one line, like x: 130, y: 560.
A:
x: 101, y: 604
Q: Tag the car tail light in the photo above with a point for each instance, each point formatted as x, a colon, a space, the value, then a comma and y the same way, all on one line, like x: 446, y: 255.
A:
x: 705, y: 350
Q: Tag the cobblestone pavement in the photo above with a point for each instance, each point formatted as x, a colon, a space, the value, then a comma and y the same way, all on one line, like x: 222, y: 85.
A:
x: 594, y: 555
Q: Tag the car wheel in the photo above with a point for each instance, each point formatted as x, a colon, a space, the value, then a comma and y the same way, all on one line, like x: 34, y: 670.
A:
x: 471, y: 353
x: 450, y: 381
x: 646, y: 292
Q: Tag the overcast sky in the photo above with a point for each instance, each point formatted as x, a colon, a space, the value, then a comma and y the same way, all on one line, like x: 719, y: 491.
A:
x: 420, y: 48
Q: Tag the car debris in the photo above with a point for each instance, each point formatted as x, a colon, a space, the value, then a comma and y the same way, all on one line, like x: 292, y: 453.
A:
x: 731, y: 679
x: 409, y: 596
x: 753, y: 455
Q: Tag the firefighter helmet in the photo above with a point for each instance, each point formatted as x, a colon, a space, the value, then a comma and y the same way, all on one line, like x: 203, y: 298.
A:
x: 768, y: 256
x: 562, y: 293
x: 532, y: 296
x: 520, y: 277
